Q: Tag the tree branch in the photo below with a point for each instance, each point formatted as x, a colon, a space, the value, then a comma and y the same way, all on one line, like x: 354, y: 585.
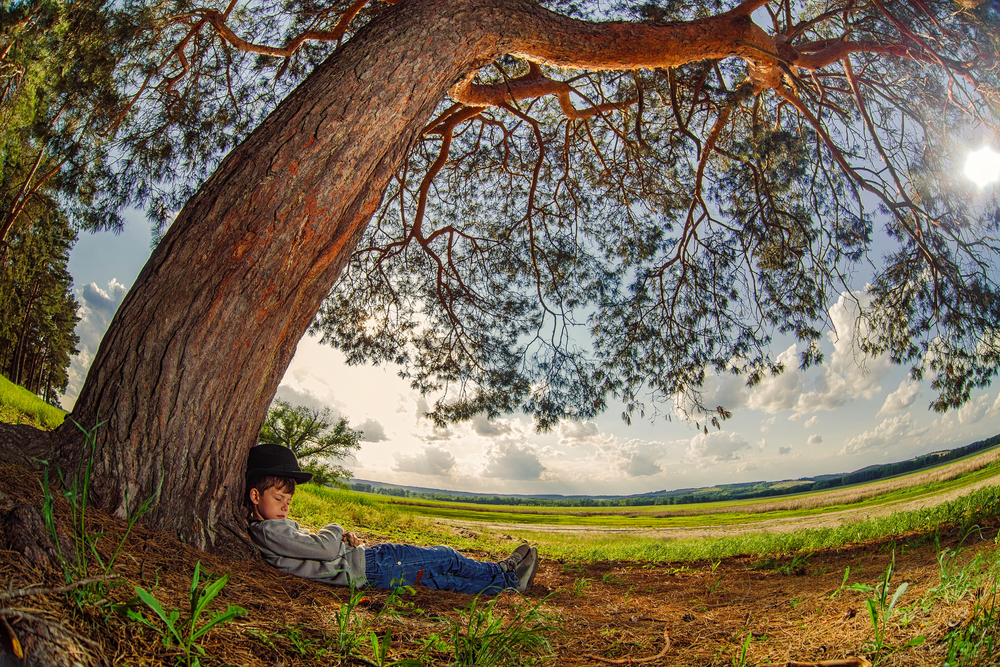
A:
x: 217, y: 20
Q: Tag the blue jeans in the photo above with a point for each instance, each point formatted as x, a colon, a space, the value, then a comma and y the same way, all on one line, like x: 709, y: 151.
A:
x: 441, y: 568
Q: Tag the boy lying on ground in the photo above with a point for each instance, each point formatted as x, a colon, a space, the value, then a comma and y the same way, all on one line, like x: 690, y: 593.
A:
x: 335, y: 557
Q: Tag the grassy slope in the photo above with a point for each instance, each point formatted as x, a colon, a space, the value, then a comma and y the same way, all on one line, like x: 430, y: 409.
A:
x: 20, y: 406
x: 728, y: 512
x: 380, y: 518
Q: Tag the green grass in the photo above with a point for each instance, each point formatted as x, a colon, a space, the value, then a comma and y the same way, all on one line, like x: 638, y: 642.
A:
x: 20, y: 406
x: 645, y: 517
x: 383, y: 520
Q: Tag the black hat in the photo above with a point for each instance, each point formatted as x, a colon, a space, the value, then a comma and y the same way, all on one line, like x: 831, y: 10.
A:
x: 278, y: 460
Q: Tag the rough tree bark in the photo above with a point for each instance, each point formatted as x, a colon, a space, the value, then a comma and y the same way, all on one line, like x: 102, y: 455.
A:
x: 194, y: 355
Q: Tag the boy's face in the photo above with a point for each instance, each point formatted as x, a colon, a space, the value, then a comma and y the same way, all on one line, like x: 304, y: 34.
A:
x: 272, y: 503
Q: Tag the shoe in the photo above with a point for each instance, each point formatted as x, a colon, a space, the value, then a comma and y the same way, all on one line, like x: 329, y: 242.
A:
x: 526, y: 569
x: 510, y: 563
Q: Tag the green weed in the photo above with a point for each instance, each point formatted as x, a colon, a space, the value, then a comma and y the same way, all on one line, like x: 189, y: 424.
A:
x: 74, y: 490
x: 579, y: 585
x: 380, y: 651
x: 573, y: 567
x: 485, y: 638
x: 957, y: 580
x: 714, y: 586
x: 843, y: 583
x: 794, y: 566
x: 292, y: 635
x: 184, y: 634
x: 740, y: 659
x: 350, y: 629
x: 353, y: 631
x: 881, y: 606
x: 977, y: 643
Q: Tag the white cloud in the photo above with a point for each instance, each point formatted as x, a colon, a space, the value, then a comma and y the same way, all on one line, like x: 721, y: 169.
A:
x: 513, y: 461
x: 640, y: 458
x: 103, y: 303
x: 773, y: 394
x: 716, y: 446
x: 746, y: 466
x: 848, y: 373
x: 576, y: 432
x: 974, y: 410
x: 901, y: 399
x: 812, y: 421
x: 435, y: 433
x: 97, y: 307
x: 776, y: 393
x: 304, y: 398
x: 766, y: 424
x: 372, y: 430
x: 784, y: 450
x: 432, y: 461
x: 422, y: 407
x: 814, y: 440
x: 885, y: 435
x: 995, y: 408
x: 484, y: 427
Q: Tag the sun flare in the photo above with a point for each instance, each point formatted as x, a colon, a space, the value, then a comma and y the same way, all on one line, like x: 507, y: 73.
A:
x: 983, y: 166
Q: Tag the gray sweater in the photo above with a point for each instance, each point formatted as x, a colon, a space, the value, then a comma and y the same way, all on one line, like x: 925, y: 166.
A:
x: 323, y: 556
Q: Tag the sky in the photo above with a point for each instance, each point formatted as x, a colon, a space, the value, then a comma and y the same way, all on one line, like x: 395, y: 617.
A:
x: 850, y: 412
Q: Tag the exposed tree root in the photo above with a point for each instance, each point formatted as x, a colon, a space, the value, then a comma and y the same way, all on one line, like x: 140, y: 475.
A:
x: 856, y: 661
x: 636, y: 661
x: 22, y: 444
x: 57, y: 590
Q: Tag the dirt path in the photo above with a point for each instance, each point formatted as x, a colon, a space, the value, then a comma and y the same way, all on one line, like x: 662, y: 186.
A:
x: 785, y: 525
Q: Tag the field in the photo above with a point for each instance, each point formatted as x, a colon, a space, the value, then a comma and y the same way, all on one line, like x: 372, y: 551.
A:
x: 905, y: 574
x: 809, y: 521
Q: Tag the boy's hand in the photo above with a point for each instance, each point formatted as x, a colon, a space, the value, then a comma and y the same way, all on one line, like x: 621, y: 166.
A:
x: 352, y: 539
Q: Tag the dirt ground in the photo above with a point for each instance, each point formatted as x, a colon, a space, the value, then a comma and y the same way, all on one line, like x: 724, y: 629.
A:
x: 604, y: 612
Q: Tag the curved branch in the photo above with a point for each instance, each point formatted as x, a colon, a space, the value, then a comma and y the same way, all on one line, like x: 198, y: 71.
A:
x: 489, y: 95
x: 552, y: 39
x: 218, y: 21
x: 447, y: 127
x: 826, y: 54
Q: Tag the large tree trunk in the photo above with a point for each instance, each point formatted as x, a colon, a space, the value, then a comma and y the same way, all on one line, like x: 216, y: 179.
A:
x: 194, y: 355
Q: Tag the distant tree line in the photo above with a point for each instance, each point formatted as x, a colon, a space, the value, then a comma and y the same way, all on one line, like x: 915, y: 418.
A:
x: 926, y: 461
x: 387, y: 491
x: 38, y: 312
x: 740, y: 491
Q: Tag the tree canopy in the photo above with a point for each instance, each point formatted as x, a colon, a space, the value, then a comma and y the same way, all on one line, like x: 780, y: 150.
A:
x: 575, y: 224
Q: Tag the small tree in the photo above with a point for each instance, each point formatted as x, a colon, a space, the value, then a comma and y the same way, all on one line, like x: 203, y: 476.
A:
x: 307, y: 432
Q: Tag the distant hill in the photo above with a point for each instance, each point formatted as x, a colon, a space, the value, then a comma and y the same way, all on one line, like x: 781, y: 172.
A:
x: 740, y: 491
